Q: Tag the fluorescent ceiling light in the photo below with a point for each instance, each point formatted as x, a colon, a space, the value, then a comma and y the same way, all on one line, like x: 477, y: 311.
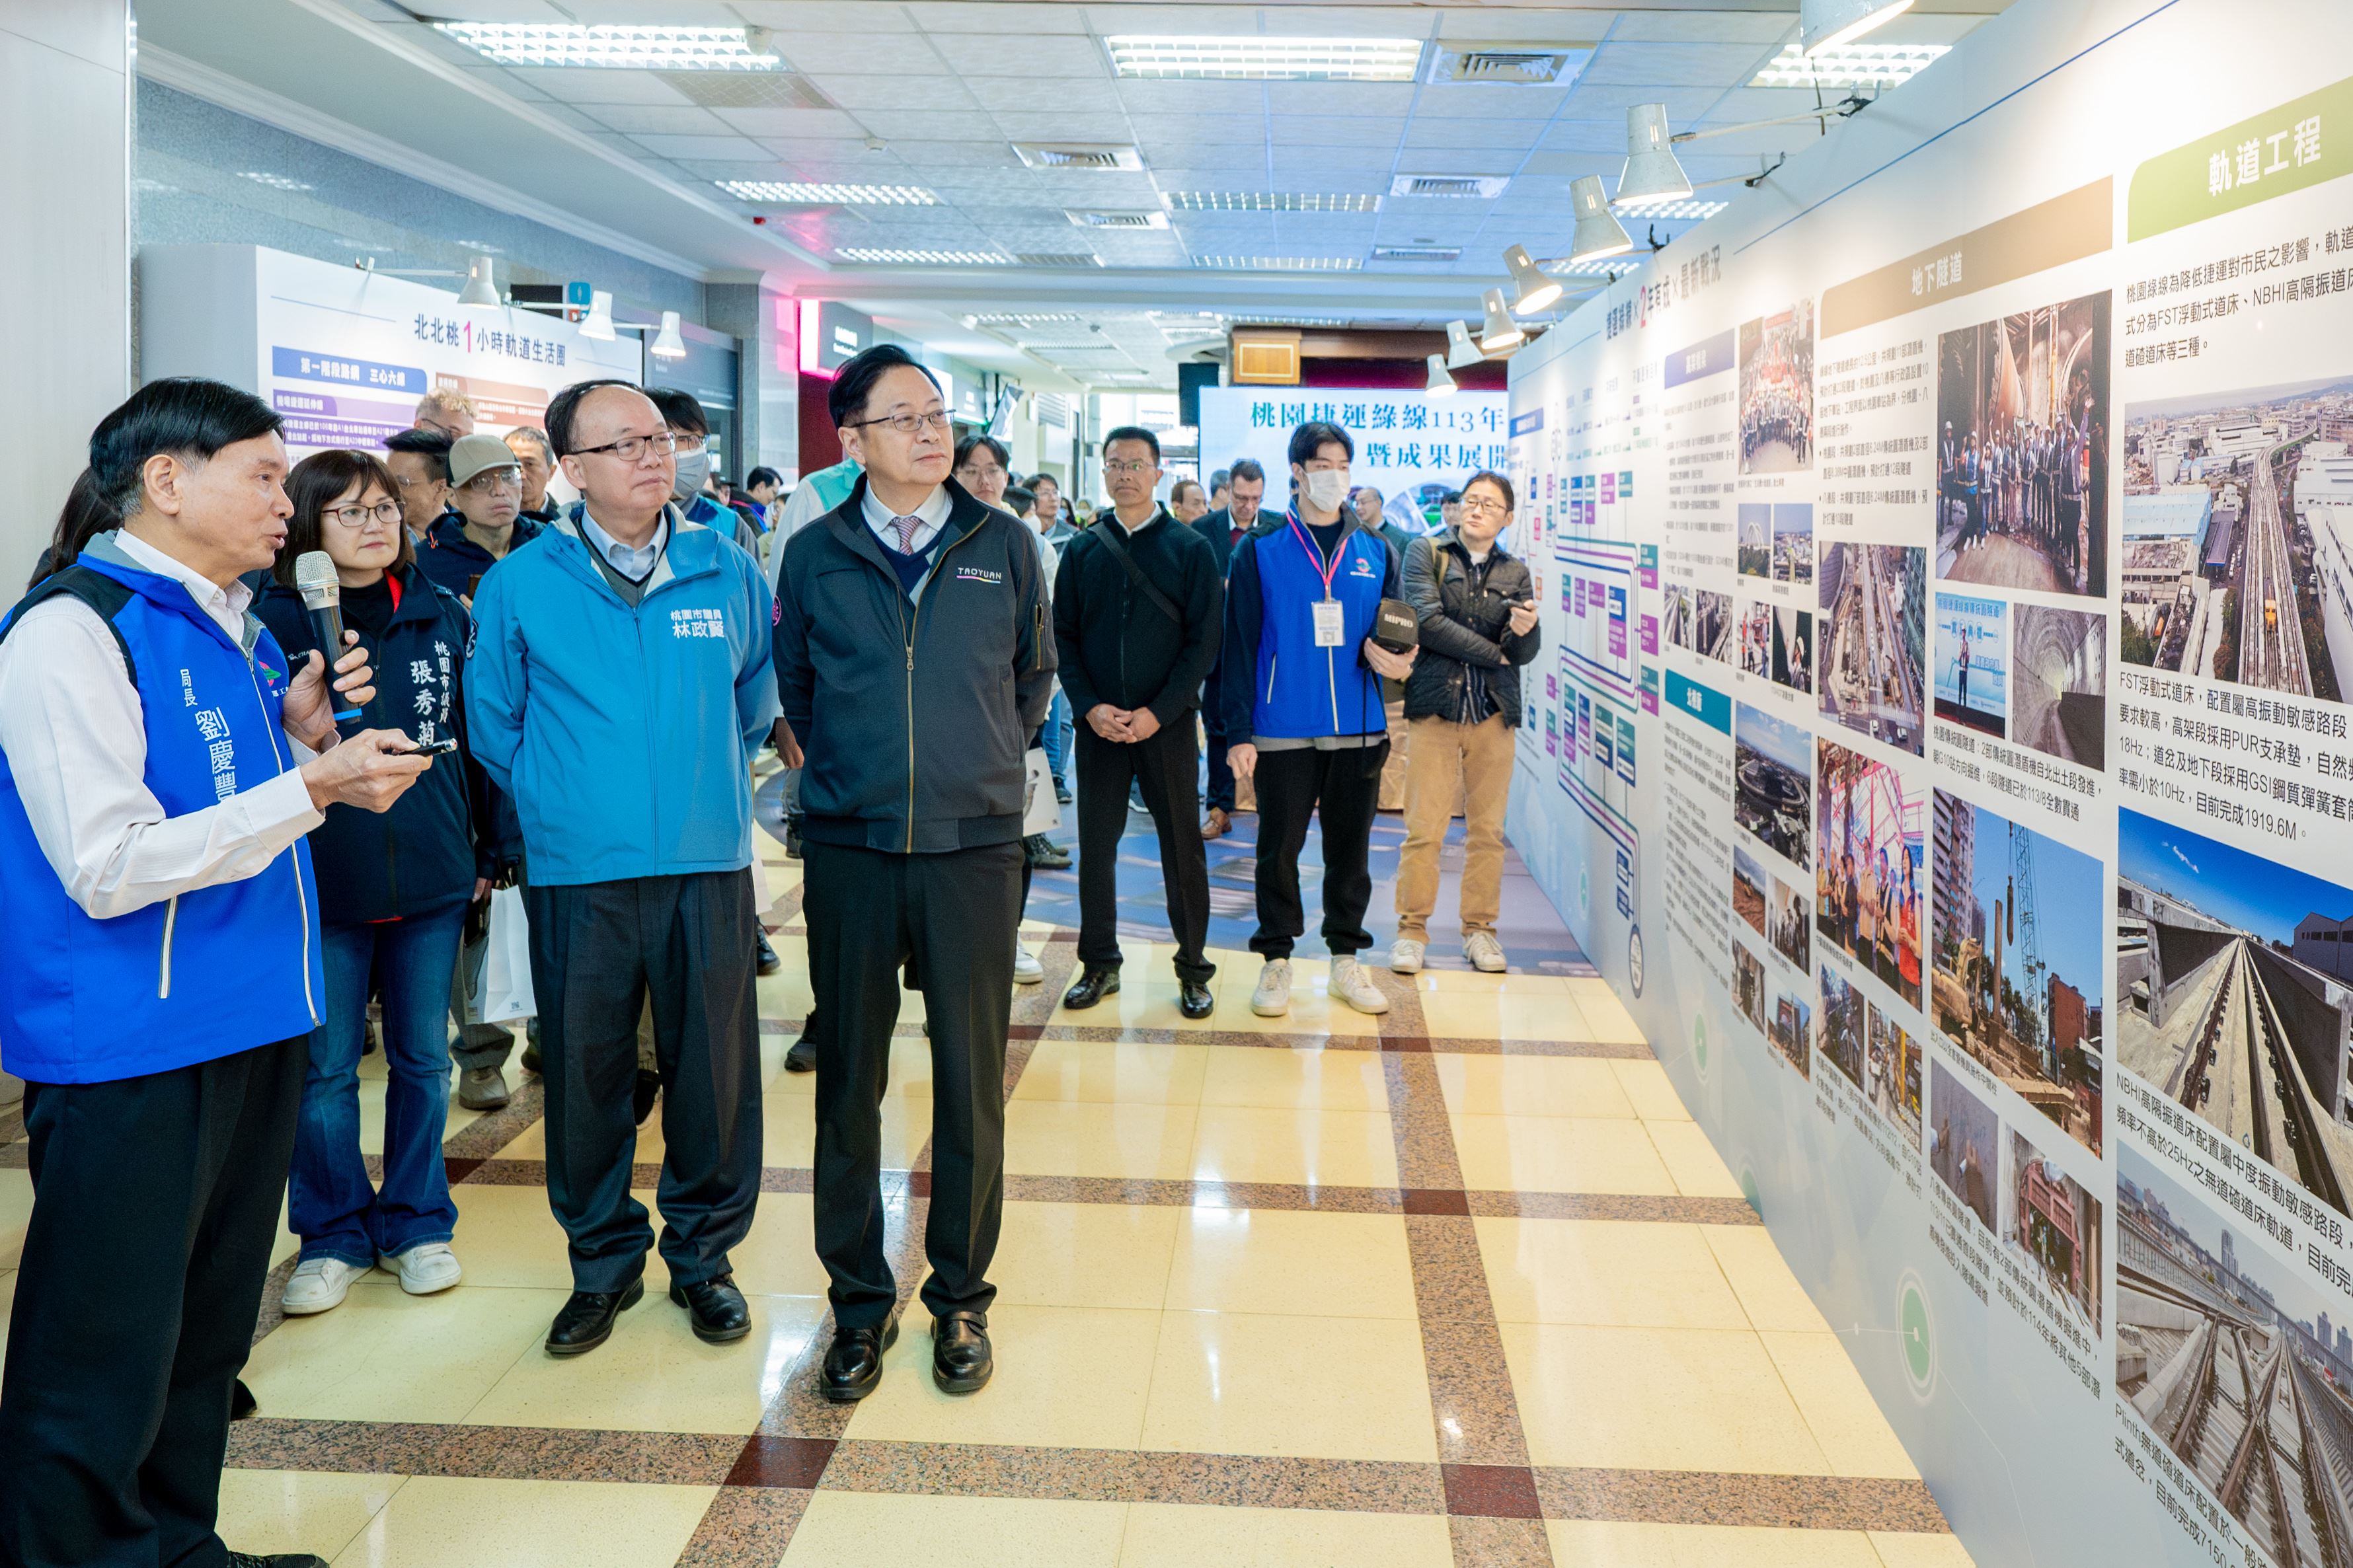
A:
x: 1826, y: 24
x: 1652, y: 173
x: 1280, y: 263
x: 1440, y: 383
x: 1271, y: 202
x: 1597, y: 233
x: 1291, y: 321
x: 597, y: 323
x: 275, y: 182
x: 922, y: 258
x: 1850, y: 65
x: 1682, y: 209
x: 1501, y: 332
x: 668, y: 343
x: 1536, y: 291
x: 613, y: 47
x: 847, y: 195
x: 1261, y: 58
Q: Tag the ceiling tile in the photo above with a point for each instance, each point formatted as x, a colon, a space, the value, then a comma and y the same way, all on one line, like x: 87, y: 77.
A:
x: 699, y: 146
x: 1013, y: 95
x: 1703, y: 26
x: 911, y: 123
x: 1347, y: 98
x: 1502, y: 24
x: 635, y: 118
x: 1290, y: 162
x: 1166, y: 101
x: 1610, y: 101
x: 1484, y: 101
x: 855, y: 92
x: 1694, y: 65
x: 972, y: 16
x: 1080, y: 126
x: 792, y: 124
x: 847, y: 53
x: 1517, y: 136
x: 982, y: 55
x: 957, y: 154
x: 1355, y: 133
x: 1124, y: 17
x: 587, y: 87
x: 860, y: 16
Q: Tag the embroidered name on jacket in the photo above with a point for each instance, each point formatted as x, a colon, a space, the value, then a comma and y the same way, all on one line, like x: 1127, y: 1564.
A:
x: 698, y: 623
x: 978, y: 574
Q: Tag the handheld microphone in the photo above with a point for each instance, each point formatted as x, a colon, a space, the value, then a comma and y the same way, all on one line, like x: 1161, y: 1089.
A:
x: 322, y: 595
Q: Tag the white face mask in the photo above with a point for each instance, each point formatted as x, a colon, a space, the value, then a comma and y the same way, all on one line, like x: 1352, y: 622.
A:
x: 693, y: 467
x: 1327, y: 487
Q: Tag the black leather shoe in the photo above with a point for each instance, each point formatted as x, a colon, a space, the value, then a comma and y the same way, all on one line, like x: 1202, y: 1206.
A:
x: 1044, y: 854
x: 961, y: 1359
x: 792, y: 838
x: 587, y: 1319
x: 802, y: 1058
x: 642, y: 1098
x: 716, y: 1309
x: 853, y: 1363
x: 275, y: 1559
x: 1194, y: 998
x: 1092, y: 986
x: 767, y: 961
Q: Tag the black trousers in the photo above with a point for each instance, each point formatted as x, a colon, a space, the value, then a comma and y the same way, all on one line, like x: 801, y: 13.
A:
x: 1222, y: 772
x: 154, y: 1206
x: 599, y: 952
x: 953, y: 917
x: 1167, y: 768
x: 1342, y: 789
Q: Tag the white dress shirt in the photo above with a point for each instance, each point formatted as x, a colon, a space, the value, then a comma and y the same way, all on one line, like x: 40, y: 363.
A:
x: 636, y: 564
x: 933, y: 516
x: 71, y: 727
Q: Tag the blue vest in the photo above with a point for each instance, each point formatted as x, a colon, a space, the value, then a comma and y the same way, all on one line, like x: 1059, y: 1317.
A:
x: 207, y: 973
x: 1304, y: 690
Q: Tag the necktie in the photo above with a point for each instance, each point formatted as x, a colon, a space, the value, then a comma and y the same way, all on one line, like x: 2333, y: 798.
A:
x: 906, y: 527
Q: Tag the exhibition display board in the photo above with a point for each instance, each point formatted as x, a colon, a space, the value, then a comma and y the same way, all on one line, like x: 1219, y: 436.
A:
x: 1947, y: 556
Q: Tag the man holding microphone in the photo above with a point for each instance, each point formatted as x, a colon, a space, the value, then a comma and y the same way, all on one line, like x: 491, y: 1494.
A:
x: 158, y: 772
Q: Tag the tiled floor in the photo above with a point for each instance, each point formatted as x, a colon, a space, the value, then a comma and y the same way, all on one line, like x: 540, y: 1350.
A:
x: 1461, y: 1285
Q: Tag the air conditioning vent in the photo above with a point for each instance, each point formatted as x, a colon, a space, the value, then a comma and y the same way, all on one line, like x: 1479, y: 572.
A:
x: 1058, y: 258
x: 1054, y: 408
x: 1417, y: 253
x: 1116, y: 219
x: 1487, y: 186
x: 1522, y: 65
x: 1078, y: 155
x: 747, y: 90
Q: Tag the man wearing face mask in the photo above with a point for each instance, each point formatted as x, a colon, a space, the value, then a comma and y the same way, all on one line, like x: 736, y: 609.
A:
x: 1304, y: 710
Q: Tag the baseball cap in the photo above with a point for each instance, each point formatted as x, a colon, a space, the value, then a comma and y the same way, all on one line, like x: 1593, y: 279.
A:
x: 478, y: 453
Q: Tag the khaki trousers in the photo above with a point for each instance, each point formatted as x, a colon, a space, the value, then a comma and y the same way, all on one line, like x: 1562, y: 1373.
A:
x: 1451, y: 762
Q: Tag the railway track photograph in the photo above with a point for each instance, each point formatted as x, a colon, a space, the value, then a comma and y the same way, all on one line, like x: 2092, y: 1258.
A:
x: 1871, y: 636
x: 2232, y: 982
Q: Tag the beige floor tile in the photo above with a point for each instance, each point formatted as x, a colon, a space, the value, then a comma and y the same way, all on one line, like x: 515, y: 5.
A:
x: 779, y: 1257
x: 1511, y: 1015
x: 1698, y: 1170
x: 16, y: 1210
x: 1065, y: 1138
x: 1559, y: 1154
x: 1605, y: 1015
x: 1313, y: 1009
x: 506, y: 1237
x: 1138, y: 1004
x: 1656, y: 1399
x: 269, y: 1511
x: 434, y: 1521
x: 1278, y: 1261
x: 1920, y: 1551
x: 1593, y: 1543
x: 1099, y: 1072
x: 386, y: 1356
x: 654, y: 1375
x: 841, y: 1529
x: 788, y: 1130
x: 1605, y: 1272
x: 1846, y: 1421
x: 1531, y: 1086
x: 1474, y: 983
x: 1338, y: 1079
x: 910, y: 1069
x: 1069, y: 1377
x: 1318, y: 1148
x: 1334, y: 1388
x: 1191, y: 1535
x: 1085, y: 1255
x: 1647, y: 1086
x: 1769, y: 1293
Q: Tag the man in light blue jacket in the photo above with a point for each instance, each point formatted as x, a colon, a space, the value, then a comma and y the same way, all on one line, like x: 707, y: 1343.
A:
x: 619, y: 677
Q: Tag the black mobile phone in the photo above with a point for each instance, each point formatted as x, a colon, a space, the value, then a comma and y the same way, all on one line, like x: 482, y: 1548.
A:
x: 446, y: 743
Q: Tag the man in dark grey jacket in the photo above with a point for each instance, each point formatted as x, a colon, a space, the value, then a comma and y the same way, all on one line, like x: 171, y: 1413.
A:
x: 913, y: 660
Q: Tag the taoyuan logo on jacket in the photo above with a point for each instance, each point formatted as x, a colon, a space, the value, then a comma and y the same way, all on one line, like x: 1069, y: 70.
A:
x: 977, y: 574
x: 698, y: 623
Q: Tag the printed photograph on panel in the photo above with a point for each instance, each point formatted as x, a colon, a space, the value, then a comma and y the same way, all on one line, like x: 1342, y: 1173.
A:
x: 1754, y: 548
x: 1748, y: 987
x: 1676, y: 615
x: 1842, y: 1026
x: 2210, y: 1330
x: 2238, y: 513
x: 1787, y: 928
x: 1793, y: 1030
x: 1793, y: 648
x: 1711, y: 625
x: 1777, y: 392
x: 2022, y: 434
x: 1973, y: 662
x: 2016, y: 956
x: 1867, y: 875
x: 1755, y: 638
x: 1793, y: 542
x: 2059, y: 683
x: 1892, y: 1074
x: 2235, y: 975
x: 2052, y: 1224
x: 1963, y: 1142
x: 1872, y: 634
x: 1748, y: 889
x: 1773, y: 784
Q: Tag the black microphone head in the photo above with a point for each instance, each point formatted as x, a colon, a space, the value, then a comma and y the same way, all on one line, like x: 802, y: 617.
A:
x: 314, y: 576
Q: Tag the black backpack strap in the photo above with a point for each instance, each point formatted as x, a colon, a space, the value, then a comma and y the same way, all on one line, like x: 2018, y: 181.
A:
x: 101, y: 593
x: 1109, y: 534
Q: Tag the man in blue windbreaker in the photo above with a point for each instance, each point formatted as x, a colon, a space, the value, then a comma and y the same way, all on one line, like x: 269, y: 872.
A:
x: 158, y: 772
x: 620, y: 677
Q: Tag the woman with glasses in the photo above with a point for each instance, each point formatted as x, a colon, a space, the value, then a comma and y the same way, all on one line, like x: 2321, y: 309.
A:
x: 486, y: 521
x: 392, y: 892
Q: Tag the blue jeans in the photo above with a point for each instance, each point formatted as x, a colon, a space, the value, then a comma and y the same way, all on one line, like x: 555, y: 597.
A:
x: 329, y: 1202
x: 1057, y: 737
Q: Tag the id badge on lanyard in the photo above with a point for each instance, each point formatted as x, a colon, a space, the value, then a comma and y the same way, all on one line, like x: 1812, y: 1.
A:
x: 1330, y: 625
x: 1328, y: 631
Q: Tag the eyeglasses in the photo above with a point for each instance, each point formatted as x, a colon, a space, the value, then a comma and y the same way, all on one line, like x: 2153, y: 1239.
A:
x: 497, y: 481
x: 1133, y: 467
x: 1484, y: 505
x: 630, y: 449
x: 909, y: 424
x: 384, y: 513
x: 990, y: 472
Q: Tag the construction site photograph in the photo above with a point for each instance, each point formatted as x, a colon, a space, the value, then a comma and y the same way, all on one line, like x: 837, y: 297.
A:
x: 2238, y: 1364
x: 2018, y: 968
x: 1793, y: 1031
x: 1773, y: 784
x: 2235, y: 974
x: 1793, y: 648
x: 1973, y: 662
x: 1787, y: 928
x: 1842, y: 1025
x: 1870, y: 829
x: 1890, y: 1073
x: 1964, y: 1142
x: 1748, y: 889
x: 1872, y: 635
x: 2052, y: 1224
x: 2059, y: 683
x: 1748, y: 987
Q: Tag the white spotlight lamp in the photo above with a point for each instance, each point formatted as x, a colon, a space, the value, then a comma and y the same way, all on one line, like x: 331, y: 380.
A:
x: 1652, y: 173
x: 1501, y: 332
x: 1826, y: 24
x: 1440, y: 383
x: 598, y: 322
x: 1536, y: 291
x: 481, y: 288
x: 1598, y: 233
x: 668, y: 343
x: 1459, y: 350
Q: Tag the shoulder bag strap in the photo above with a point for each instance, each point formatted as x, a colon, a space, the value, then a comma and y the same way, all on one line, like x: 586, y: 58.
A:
x: 1118, y: 548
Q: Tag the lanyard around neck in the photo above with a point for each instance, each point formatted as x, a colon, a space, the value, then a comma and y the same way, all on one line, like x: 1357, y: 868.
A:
x: 1324, y: 569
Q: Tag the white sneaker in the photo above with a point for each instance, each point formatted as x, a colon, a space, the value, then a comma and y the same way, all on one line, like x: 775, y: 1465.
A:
x: 425, y: 1268
x: 1273, y: 997
x: 1404, y: 956
x: 1485, y: 954
x: 319, y: 1285
x: 1027, y: 970
x: 1353, y: 985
